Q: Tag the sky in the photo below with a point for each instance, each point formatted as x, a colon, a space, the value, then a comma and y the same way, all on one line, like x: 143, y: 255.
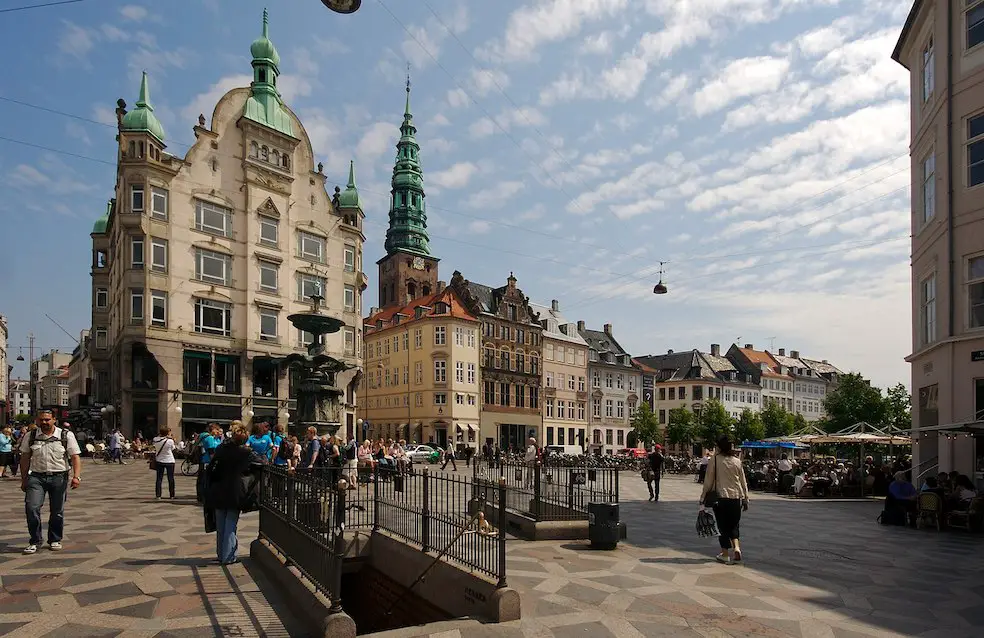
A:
x: 758, y: 147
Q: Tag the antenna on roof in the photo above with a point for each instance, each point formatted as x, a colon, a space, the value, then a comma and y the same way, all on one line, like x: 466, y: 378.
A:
x: 772, y: 343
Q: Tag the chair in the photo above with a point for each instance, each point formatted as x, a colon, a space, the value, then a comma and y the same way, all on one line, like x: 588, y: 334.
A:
x: 969, y: 519
x: 929, y: 506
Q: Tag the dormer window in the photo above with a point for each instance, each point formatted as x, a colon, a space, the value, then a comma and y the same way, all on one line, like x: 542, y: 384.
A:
x: 441, y: 308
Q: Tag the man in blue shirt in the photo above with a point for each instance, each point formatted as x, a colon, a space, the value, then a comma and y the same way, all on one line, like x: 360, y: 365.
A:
x: 280, y: 444
x: 311, y: 449
x: 210, y: 439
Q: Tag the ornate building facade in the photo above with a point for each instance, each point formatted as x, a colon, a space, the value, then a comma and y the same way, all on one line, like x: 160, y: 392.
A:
x: 615, y: 389
x: 199, y: 260
x: 565, y: 374
x: 512, y: 352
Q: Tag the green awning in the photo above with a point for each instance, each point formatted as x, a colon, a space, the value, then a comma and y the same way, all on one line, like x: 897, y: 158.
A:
x: 194, y: 354
x: 226, y: 358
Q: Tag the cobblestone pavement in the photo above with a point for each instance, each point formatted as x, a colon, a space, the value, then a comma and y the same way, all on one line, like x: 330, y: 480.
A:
x: 135, y: 567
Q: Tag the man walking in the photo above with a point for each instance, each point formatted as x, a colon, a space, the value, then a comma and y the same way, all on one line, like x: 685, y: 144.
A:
x: 656, y: 460
x: 116, y: 446
x: 46, y: 454
x: 530, y: 459
x: 449, y: 457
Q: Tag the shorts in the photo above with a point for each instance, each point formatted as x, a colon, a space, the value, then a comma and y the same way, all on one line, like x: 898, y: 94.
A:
x: 352, y: 465
x: 6, y: 458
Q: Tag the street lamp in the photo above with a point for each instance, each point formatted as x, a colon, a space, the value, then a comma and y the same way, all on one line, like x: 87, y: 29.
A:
x: 660, y: 288
x: 343, y: 6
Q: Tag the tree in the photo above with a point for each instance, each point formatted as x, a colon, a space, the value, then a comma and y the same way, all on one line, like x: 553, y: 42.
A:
x: 854, y: 400
x: 24, y: 419
x: 749, y: 427
x: 646, y: 425
x: 714, y: 422
x: 681, y: 427
x: 776, y: 421
x: 799, y: 422
x: 898, y: 408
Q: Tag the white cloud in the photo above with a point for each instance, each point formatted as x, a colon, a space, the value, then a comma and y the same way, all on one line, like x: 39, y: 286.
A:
x: 205, y: 102
x: 439, y: 120
x: 598, y: 44
x: 133, y: 13
x: 457, y: 176
x: 458, y: 98
x: 376, y: 141
x: 496, y: 197
x: 482, y: 128
x: 547, y: 21
x: 76, y: 41
x: 739, y: 79
x: 76, y: 130
x: 672, y: 88
x: 479, y: 227
x: 422, y: 44
x: 506, y: 120
x: 485, y: 81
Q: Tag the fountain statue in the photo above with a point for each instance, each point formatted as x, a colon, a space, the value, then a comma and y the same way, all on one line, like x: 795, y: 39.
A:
x: 318, y: 397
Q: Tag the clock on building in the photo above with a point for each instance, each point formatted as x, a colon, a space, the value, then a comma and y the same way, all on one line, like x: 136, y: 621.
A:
x: 418, y: 263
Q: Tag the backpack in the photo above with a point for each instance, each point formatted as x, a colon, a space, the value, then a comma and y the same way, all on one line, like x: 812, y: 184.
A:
x: 285, y: 451
x: 197, y: 451
x: 350, y: 452
x: 324, y: 456
x: 64, y: 441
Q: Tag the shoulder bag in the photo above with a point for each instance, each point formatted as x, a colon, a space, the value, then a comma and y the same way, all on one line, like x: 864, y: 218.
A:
x: 712, y: 495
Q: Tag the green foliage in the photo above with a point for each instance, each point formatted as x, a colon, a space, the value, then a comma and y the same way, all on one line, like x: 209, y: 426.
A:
x: 854, y: 400
x: 24, y: 419
x: 898, y: 408
x: 799, y: 422
x: 749, y: 427
x: 645, y: 425
x: 681, y: 427
x: 776, y: 420
x: 713, y: 422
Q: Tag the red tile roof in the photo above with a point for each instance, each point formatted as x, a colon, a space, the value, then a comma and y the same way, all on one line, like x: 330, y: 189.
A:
x: 448, y: 296
x: 758, y: 357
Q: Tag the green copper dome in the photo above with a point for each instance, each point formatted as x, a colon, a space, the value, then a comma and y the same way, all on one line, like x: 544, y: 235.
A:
x: 349, y: 198
x: 99, y: 227
x: 407, y: 230
x: 142, y: 118
x: 262, y: 48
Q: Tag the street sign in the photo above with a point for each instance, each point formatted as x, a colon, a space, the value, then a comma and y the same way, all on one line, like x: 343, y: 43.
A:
x: 977, y: 355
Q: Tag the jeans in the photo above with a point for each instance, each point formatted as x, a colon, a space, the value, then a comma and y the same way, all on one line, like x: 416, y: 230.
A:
x: 449, y: 458
x: 56, y: 487
x: 161, y: 468
x: 226, y: 541
x: 654, y: 489
x: 727, y: 511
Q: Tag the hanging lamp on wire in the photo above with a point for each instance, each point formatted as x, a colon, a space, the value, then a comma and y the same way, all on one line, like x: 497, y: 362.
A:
x: 660, y: 288
x: 342, y: 6
x: 20, y: 355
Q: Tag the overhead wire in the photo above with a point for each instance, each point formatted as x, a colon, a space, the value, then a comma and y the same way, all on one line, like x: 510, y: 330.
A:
x: 42, y: 5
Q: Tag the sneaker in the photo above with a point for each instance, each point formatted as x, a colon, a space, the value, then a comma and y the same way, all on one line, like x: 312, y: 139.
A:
x: 31, y: 549
x: 737, y: 558
x: 55, y: 547
x: 723, y: 558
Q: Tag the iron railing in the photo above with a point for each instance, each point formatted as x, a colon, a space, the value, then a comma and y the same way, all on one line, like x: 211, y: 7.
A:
x: 304, y: 515
x: 550, y: 492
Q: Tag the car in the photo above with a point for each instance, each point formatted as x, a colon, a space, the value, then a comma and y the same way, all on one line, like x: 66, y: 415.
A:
x: 632, y: 452
x: 424, y: 454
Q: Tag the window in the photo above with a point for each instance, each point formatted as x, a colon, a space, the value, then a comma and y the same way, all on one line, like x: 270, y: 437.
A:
x: 596, y: 408
x: 269, y: 231
x: 214, y: 219
x: 672, y: 394
x: 662, y: 394
x: 548, y: 405
x: 550, y: 436
x: 471, y: 338
x: 158, y: 254
x: 549, y: 382
x: 440, y: 371
x: 158, y: 308
x: 620, y: 381
x: 418, y: 372
x: 504, y: 394
x: 102, y: 297
x: 348, y: 336
x: 137, y: 198
x: 459, y: 372
x: 268, y: 325
x: 571, y: 381
x: 418, y: 339
x: 213, y: 267
x: 927, y: 318
x: 608, y: 379
x: 471, y: 373
x: 137, y: 305
x: 137, y: 252
x: 596, y: 380
x: 440, y: 398
x: 349, y: 258
x: 102, y: 338
x: 929, y: 187
x: 213, y: 317
x: 440, y: 335
x: 548, y: 352
x: 682, y: 391
x: 620, y: 409
x: 975, y: 24
x: 608, y: 437
x: 158, y: 203
x: 929, y: 62
x: 609, y: 408
x: 975, y: 283
x: 311, y: 247
x: 580, y: 384
x: 269, y: 276
x: 561, y: 409
x: 308, y: 285
x: 975, y: 137
x: 662, y: 416
x: 580, y: 411
x: 227, y: 376
x: 621, y: 438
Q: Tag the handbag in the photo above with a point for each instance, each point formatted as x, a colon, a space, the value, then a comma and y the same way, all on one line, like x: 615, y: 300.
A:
x: 152, y: 464
x: 209, y: 520
x: 712, y: 495
x: 706, y: 525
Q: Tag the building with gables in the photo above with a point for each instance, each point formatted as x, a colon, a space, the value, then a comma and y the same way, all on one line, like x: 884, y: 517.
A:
x: 565, y: 374
x: 200, y: 258
x: 511, y: 370
x: 614, y: 391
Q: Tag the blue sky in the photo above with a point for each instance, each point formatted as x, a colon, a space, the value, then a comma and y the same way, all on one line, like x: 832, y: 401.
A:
x: 758, y: 146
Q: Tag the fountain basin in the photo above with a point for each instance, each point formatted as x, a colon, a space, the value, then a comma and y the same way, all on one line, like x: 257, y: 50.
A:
x: 315, y: 323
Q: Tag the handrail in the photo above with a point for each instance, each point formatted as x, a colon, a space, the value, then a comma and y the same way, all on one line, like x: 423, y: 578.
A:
x: 935, y: 458
x: 929, y: 469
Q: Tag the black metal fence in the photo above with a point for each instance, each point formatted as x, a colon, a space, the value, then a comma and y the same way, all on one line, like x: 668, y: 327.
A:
x: 305, y: 515
x: 546, y: 492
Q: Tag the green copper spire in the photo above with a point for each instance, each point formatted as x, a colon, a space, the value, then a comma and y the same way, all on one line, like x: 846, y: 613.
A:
x: 99, y: 227
x: 407, y: 216
x: 142, y: 118
x: 349, y: 198
x: 264, y: 104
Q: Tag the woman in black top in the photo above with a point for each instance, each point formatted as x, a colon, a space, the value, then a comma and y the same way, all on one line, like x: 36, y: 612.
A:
x: 227, y: 492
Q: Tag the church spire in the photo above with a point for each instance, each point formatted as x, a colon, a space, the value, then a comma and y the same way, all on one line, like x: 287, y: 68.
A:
x: 264, y: 104
x: 408, y: 215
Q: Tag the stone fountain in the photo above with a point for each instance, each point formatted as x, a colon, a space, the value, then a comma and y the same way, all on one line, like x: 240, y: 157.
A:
x: 318, y: 397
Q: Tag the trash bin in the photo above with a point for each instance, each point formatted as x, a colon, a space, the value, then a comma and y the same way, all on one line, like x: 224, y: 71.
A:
x: 603, y: 525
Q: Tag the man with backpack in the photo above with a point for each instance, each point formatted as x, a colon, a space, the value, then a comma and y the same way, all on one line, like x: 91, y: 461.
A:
x: 283, y: 449
x: 47, y: 454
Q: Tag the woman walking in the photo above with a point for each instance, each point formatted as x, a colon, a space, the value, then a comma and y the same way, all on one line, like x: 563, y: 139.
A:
x: 226, y: 492
x: 726, y: 491
x: 6, y: 450
x: 164, y: 460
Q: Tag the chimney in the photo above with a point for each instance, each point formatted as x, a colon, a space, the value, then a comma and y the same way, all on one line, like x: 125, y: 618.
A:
x: 782, y: 352
x: 555, y: 305
x: 608, y: 329
x: 669, y: 352
x: 716, y: 349
x: 794, y: 354
x: 825, y: 361
x: 441, y: 285
x: 749, y: 346
x: 580, y: 326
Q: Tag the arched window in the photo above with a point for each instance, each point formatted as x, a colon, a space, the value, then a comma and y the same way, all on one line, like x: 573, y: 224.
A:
x: 520, y: 361
x: 489, y: 356
x: 506, y: 359
x: 426, y: 290
x: 254, y: 149
x: 412, y: 290
x: 133, y: 149
x: 265, y: 153
x: 276, y: 158
x: 285, y: 161
x: 140, y: 149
